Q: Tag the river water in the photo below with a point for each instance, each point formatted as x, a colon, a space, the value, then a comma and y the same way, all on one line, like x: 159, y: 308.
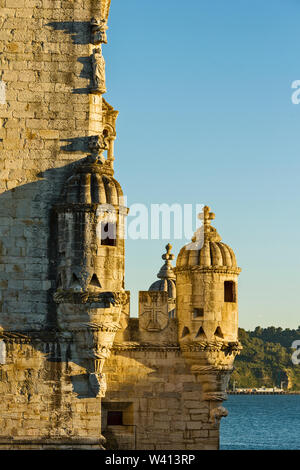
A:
x: 259, y: 422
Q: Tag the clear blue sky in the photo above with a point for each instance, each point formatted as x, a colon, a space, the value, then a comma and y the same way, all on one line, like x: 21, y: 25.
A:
x: 204, y: 93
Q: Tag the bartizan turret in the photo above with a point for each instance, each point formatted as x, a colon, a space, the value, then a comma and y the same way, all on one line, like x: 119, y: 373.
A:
x: 207, y: 310
x: 90, y: 274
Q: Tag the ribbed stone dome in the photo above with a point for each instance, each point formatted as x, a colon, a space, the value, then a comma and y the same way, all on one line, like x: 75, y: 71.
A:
x: 206, y: 249
x: 165, y: 285
x: 166, y: 276
x: 212, y: 254
x: 93, y: 183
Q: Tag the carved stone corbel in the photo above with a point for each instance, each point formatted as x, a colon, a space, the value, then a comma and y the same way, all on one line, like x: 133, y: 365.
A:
x: 93, y: 320
x: 98, y: 31
x: 212, y: 364
x: 216, y: 414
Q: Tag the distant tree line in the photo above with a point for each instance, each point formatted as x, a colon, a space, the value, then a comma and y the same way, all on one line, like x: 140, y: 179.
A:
x: 276, y: 335
x: 266, y: 359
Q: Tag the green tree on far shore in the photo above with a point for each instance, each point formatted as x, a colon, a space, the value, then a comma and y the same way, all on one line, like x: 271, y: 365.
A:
x: 265, y: 360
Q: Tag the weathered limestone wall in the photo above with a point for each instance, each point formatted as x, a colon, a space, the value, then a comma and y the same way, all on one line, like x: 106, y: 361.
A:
x: 46, y: 114
x: 158, y: 394
x: 198, y: 290
x: 42, y: 406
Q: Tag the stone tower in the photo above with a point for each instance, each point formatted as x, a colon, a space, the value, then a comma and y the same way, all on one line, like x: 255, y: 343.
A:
x: 74, y: 366
x: 207, y: 272
x: 62, y: 223
x: 91, y: 262
x: 207, y: 309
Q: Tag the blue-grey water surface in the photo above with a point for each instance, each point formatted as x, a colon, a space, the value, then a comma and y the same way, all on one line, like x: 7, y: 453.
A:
x: 258, y: 422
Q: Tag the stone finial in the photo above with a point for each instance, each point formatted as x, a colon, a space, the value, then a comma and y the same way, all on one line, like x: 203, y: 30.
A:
x: 167, y: 271
x: 206, y: 216
x: 206, y: 232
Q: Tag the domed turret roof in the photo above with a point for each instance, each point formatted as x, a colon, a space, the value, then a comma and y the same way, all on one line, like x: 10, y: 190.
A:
x: 206, y: 249
x: 166, y: 276
x: 93, y: 183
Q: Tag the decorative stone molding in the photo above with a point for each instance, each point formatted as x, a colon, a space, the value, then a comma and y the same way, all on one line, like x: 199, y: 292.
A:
x: 14, y: 337
x: 107, y: 327
x: 81, y: 207
x: 203, y: 370
x: 207, y: 270
x: 233, y: 347
x: 47, y: 443
x: 120, y: 298
x: 135, y: 346
x: 106, y: 298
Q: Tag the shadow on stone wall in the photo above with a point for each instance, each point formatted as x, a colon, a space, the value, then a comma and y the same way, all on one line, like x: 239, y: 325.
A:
x: 86, y: 73
x: 79, y: 31
x: 29, y: 256
x: 28, y: 244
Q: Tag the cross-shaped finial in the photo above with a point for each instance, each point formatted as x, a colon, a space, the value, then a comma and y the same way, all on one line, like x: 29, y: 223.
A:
x: 206, y: 216
x: 168, y: 256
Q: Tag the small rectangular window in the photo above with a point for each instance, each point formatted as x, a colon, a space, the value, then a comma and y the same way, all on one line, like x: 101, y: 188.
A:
x: 229, y: 291
x: 198, y: 313
x: 108, y: 234
x: 115, y: 418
